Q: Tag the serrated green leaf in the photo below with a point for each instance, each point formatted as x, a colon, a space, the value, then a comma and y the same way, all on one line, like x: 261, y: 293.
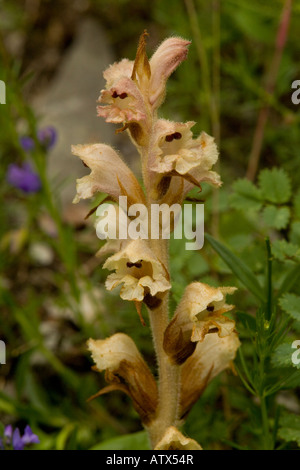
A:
x: 290, y: 303
x: 284, y: 356
x: 238, y: 267
x: 283, y: 250
x: 134, y: 441
x: 275, y: 185
x: 246, y: 196
x: 289, y: 429
x: 276, y: 217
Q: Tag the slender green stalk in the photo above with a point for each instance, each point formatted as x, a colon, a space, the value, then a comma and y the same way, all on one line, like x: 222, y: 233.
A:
x: 281, y: 37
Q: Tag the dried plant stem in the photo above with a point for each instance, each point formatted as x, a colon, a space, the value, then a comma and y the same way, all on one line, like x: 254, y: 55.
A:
x: 281, y: 38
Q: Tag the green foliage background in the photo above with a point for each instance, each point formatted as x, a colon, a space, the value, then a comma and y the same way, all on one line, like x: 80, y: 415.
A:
x: 47, y: 386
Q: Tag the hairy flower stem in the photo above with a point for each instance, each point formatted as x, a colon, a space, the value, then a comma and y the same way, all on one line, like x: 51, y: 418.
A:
x: 169, y: 374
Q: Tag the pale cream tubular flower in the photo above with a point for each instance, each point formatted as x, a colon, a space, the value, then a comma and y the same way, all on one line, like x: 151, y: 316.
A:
x: 126, y: 371
x: 142, y: 275
x: 199, y: 312
x: 211, y: 356
x: 174, y: 153
x: 173, y: 439
x: 109, y: 174
x: 174, y: 149
x: 135, y: 89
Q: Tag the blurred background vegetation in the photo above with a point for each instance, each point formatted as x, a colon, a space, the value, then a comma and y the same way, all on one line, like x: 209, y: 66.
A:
x: 236, y: 85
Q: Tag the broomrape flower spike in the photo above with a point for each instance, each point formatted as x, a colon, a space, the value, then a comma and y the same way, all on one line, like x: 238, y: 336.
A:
x: 200, y: 341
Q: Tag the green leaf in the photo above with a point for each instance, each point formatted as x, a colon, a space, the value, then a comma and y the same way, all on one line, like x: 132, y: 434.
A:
x: 290, y: 303
x: 283, y: 251
x: 135, y: 441
x: 289, y: 429
x: 295, y: 233
x: 284, y: 356
x: 275, y: 185
x: 246, y: 196
x: 296, y: 204
x: 276, y: 217
x: 291, y: 278
x: 238, y: 267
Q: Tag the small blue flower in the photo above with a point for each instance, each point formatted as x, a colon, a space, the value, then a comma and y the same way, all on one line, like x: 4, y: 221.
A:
x: 27, y: 143
x: 29, y: 437
x: 47, y: 136
x: 23, y: 178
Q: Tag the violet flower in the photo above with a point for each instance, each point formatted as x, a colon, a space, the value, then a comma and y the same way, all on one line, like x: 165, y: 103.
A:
x: 29, y: 437
x: 23, y: 177
x: 17, y: 441
x: 12, y: 439
x: 47, y: 136
x: 27, y: 143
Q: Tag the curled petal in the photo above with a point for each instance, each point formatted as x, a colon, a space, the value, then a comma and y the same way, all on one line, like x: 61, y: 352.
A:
x: 164, y: 61
x: 127, y: 371
x: 138, y: 270
x: 107, y: 173
x: 210, y: 358
x: 173, y: 439
x: 117, y: 70
x: 199, y: 312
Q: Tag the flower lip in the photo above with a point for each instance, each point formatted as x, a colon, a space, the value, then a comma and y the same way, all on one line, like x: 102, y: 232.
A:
x: 175, y: 149
x: 122, y: 102
x: 138, y: 270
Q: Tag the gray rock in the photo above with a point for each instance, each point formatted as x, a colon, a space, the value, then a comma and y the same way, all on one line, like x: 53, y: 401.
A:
x: 69, y: 104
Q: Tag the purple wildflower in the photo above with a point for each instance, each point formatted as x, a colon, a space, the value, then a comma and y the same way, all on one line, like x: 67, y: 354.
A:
x: 27, y: 143
x: 8, y: 432
x: 29, y: 437
x: 47, y: 136
x: 12, y: 439
x: 23, y: 178
x: 17, y: 441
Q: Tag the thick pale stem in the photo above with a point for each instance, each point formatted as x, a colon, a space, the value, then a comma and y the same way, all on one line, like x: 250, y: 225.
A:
x: 169, y: 374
